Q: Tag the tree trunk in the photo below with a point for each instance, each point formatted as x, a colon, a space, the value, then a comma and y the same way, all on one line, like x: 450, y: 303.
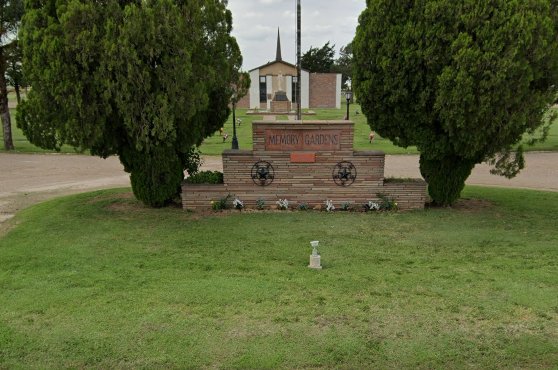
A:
x: 18, y: 93
x: 4, y: 110
x: 445, y: 177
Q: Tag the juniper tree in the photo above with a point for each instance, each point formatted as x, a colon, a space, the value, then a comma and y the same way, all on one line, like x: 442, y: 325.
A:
x: 319, y: 59
x: 10, y: 16
x: 463, y: 80
x: 144, y: 80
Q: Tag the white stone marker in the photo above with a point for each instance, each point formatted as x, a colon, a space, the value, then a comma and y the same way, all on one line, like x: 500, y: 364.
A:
x: 315, y: 257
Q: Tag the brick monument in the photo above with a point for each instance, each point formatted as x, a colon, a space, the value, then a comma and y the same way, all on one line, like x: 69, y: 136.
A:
x: 304, y: 162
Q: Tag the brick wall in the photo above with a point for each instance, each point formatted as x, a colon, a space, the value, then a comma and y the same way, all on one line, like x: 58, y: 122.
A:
x: 244, y: 102
x: 323, y: 87
x: 305, y: 175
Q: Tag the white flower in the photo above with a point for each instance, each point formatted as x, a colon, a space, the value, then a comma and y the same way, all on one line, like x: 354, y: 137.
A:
x: 373, y: 206
x: 238, y: 204
x: 283, y: 203
x: 329, y: 205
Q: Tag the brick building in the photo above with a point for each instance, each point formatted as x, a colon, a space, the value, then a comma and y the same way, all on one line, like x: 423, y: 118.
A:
x: 318, y: 90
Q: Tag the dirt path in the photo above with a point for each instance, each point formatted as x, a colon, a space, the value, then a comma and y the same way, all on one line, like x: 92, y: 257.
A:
x: 26, y: 179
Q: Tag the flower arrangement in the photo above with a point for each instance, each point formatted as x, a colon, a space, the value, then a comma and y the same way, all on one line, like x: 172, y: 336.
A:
x: 260, y: 204
x: 329, y: 206
x: 283, y: 204
x: 238, y: 204
x: 371, y: 206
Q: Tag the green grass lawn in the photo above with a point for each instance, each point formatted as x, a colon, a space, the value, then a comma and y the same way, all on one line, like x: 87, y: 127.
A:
x: 98, y: 281
x: 21, y: 143
x: 214, y: 145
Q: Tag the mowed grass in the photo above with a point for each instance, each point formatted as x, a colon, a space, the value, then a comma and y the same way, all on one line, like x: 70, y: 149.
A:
x: 23, y: 145
x: 98, y: 281
x: 215, y: 145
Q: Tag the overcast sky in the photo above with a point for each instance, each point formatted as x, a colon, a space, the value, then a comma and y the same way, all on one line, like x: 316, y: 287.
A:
x: 255, y: 25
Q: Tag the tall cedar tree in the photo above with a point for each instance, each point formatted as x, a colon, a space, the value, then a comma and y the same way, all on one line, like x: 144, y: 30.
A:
x: 319, y: 59
x: 146, y: 80
x: 14, y: 70
x: 11, y: 12
x: 463, y: 80
x: 344, y: 64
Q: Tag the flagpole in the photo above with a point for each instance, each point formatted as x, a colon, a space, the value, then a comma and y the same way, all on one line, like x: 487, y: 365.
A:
x: 298, y: 64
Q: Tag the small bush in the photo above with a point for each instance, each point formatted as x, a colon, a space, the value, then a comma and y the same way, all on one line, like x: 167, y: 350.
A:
x: 303, y: 206
x: 221, y: 204
x: 387, y: 203
x: 260, y: 204
x: 206, y: 177
x: 399, y: 180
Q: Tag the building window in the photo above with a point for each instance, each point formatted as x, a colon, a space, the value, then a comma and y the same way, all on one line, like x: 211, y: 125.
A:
x: 294, y: 89
x: 263, y: 89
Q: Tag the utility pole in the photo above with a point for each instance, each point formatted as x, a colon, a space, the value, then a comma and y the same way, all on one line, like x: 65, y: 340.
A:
x: 298, y: 64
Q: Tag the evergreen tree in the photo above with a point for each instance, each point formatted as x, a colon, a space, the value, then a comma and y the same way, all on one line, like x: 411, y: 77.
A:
x: 344, y: 64
x: 463, y: 80
x: 145, y: 80
x: 14, y: 70
x: 11, y: 12
x: 319, y: 59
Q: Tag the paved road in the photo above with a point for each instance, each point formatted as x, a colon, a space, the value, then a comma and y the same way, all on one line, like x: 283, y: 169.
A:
x: 26, y: 179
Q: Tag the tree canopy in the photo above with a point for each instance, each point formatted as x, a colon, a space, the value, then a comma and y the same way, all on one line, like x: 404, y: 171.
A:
x: 344, y: 64
x: 14, y: 69
x: 463, y: 80
x: 319, y: 59
x: 145, y: 80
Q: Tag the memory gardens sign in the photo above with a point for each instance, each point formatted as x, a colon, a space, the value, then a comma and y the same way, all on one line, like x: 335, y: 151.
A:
x: 305, y: 162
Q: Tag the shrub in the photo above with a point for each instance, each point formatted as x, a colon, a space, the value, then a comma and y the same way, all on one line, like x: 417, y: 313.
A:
x: 206, y: 177
x: 387, y: 203
x: 303, y: 206
x: 222, y: 203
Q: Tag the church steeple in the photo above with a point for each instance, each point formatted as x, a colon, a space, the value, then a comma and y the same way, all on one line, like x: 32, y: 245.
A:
x: 278, y: 54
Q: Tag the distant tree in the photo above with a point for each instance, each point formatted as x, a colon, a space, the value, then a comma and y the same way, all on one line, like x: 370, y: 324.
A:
x: 14, y: 70
x: 145, y: 80
x: 240, y: 87
x: 344, y: 64
x: 11, y: 12
x: 319, y: 60
x: 463, y: 80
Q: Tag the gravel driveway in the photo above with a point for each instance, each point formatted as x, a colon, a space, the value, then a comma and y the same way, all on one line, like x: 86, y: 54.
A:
x: 26, y: 179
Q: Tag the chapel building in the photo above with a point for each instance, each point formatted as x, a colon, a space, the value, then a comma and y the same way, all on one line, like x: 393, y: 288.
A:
x: 273, y: 87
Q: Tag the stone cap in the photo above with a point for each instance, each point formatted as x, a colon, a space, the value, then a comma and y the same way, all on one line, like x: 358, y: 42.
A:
x: 233, y: 152
x: 365, y: 153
